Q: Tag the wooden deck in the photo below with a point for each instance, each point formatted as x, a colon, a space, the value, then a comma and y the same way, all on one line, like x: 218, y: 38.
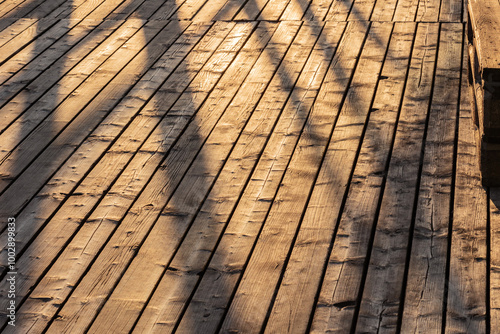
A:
x: 250, y: 166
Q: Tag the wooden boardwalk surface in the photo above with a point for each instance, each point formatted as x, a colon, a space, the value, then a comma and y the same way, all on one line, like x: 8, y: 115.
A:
x: 248, y: 166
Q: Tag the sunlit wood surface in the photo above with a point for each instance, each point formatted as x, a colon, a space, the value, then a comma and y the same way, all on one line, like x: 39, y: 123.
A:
x: 243, y: 166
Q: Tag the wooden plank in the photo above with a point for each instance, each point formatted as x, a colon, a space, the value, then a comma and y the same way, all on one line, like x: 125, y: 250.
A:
x: 193, y: 189
x: 189, y: 8
x: 7, y: 7
x: 35, y: 8
x: 339, y: 10
x: 204, y: 50
x: 106, y: 8
x: 229, y: 10
x: 217, y: 285
x: 156, y: 195
x: 406, y: 10
x: 451, y: 11
x: 467, y: 283
x: 361, y: 10
x: 42, y: 48
x: 486, y: 28
x: 382, y: 291
x: 70, y: 122
x: 167, y: 10
x: 317, y: 10
x: 183, y: 271
x: 295, y: 299
x: 423, y: 307
x: 273, y: 10
x: 31, y: 79
x: 384, y: 10
x: 428, y: 11
x: 209, y: 10
x: 295, y: 10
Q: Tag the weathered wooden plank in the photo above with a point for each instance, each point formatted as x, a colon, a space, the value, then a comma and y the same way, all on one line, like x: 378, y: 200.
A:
x: 423, y: 306
x: 251, y: 10
x: 339, y: 10
x: 384, y: 10
x: 382, y: 291
x: 167, y: 10
x: 157, y: 193
x: 78, y: 206
x: 467, y: 283
x: 451, y: 11
x: 295, y: 10
x: 273, y: 10
x: 428, y: 11
x: 193, y: 189
x: 406, y: 10
x: 31, y: 79
x: 189, y: 8
x: 214, y: 292
x: 70, y: 122
x: 296, y: 296
x: 145, y: 10
x: 361, y: 10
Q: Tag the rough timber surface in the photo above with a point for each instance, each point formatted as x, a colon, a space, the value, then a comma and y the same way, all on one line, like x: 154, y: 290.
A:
x: 206, y: 166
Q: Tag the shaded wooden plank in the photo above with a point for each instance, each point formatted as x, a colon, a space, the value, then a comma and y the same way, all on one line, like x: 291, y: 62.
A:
x: 467, y: 283
x: 189, y: 8
x: 251, y: 10
x: 361, y: 10
x: 295, y: 299
x: 216, y: 287
x: 190, y: 194
x: 79, y: 206
x: 157, y: 193
x: 423, y: 306
x: 144, y: 11
x: 70, y: 122
x: 167, y: 10
x: 33, y: 78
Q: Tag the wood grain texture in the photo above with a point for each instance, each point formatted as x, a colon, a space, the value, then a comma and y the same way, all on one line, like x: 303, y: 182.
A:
x: 423, y: 306
x: 467, y: 303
